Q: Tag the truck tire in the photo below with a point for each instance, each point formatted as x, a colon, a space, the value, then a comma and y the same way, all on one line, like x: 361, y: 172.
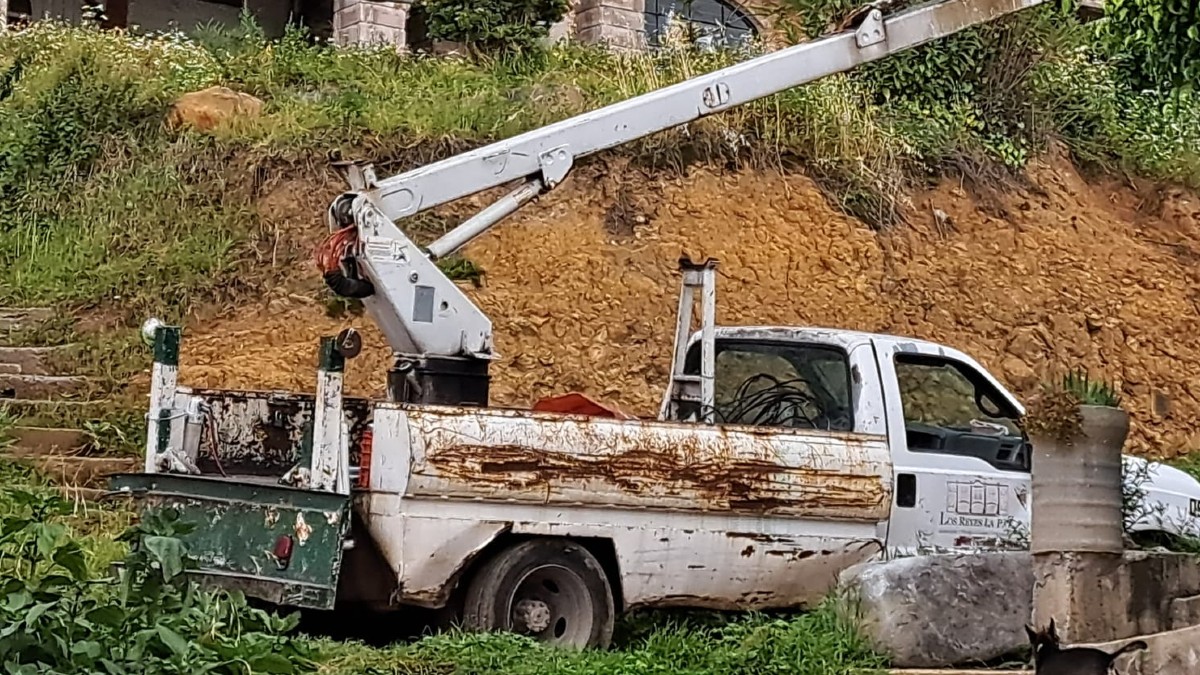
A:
x: 552, y: 590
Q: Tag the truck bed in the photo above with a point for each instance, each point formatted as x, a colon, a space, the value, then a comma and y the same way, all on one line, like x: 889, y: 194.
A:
x: 443, y: 452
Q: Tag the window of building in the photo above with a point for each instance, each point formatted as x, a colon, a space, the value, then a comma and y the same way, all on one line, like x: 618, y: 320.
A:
x: 712, y: 23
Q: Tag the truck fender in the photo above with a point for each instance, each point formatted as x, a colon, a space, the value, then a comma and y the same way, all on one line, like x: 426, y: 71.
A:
x: 435, y: 554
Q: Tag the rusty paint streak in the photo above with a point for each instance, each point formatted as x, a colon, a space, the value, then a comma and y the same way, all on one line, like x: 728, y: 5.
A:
x: 756, y: 536
x: 736, y: 483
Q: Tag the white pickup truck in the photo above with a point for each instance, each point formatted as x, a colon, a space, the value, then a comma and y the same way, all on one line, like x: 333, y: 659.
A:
x: 830, y: 448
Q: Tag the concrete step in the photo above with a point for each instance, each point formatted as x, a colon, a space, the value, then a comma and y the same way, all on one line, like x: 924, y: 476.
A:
x: 22, y: 318
x: 81, y: 494
x: 30, y: 360
x: 30, y: 441
x: 87, y: 472
x: 41, y: 386
x: 51, y: 409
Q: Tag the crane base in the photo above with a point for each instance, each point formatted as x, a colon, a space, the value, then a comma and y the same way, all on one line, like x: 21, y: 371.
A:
x: 439, y: 380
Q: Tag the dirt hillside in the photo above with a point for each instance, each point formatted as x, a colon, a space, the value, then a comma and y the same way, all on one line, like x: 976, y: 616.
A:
x: 582, y: 294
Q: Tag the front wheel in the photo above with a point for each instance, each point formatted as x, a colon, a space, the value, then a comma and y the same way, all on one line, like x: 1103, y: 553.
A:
x: 552, y: 590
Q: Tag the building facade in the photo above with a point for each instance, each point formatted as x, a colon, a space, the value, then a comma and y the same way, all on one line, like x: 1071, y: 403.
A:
x: 624, y: 24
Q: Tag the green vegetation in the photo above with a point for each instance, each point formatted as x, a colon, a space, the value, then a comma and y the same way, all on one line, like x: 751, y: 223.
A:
x: 1090, y: 392
x: 817, y: 643
x: 65, y: 613
x: 498, y: 27
x: 107, y: 210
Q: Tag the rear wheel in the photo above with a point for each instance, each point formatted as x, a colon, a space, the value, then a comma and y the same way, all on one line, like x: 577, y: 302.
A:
x: 552, y: 590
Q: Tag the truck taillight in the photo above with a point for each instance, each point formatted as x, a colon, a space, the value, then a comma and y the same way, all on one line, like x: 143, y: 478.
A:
x: 364, y: 460
x: 283, y: 550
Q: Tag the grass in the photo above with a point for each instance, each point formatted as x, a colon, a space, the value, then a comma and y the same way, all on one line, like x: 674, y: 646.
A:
x: 816, y: 643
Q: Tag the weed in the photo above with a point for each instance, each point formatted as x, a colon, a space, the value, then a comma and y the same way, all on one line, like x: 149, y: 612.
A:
x: 460, y: 269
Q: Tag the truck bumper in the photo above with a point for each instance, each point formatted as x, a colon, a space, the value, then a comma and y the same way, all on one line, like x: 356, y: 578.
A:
x: 278, y: 544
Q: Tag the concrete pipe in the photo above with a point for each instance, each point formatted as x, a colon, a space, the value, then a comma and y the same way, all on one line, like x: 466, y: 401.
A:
x: 1076, y: 500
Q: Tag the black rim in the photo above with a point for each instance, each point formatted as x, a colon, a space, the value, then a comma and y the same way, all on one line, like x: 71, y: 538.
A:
x: 551, y: 603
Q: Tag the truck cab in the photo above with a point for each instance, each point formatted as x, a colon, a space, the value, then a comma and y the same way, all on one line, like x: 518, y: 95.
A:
x: 960, y: 459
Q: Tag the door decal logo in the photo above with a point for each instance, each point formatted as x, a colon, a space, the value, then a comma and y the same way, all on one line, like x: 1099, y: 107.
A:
x: 975, y: 504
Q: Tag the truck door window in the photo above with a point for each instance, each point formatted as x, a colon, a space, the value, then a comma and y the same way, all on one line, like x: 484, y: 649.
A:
x: 950, y: 409
x: 780, y: 384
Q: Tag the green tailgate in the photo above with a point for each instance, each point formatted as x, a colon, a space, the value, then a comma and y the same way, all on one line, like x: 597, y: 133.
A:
x: 238, y: 530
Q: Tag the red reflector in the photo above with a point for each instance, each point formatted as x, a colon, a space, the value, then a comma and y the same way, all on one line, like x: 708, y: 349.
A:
x: 283, y: 548
x: 364, y: 459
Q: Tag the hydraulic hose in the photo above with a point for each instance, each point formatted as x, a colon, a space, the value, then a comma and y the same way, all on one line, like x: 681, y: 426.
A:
x: 346, y: 287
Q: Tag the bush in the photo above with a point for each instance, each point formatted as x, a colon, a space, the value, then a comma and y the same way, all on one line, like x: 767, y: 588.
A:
x: 1157, y: 42
x: 493, y: 26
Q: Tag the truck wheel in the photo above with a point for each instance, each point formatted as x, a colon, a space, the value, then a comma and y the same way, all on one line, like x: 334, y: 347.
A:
x: 552, y: 590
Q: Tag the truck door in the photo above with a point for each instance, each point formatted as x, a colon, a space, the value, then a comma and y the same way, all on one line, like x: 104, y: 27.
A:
x: 962, y: 464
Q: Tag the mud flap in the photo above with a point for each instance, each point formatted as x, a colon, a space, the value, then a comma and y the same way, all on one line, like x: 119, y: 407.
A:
x: 276, y: 543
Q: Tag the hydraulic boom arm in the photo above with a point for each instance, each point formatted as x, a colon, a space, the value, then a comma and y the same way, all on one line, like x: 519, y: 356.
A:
x: 421, y: 312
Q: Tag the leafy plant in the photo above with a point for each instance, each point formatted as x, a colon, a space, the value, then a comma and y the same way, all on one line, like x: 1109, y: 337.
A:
x: 1054, y: 409
x: 56, y: 617
x: 493, y: 26
x: 1158, y: 41
x: 459, y: 268
x: 1090, y: 392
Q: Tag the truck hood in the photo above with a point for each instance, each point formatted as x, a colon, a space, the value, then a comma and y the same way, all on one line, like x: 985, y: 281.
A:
x: 1170, y: 500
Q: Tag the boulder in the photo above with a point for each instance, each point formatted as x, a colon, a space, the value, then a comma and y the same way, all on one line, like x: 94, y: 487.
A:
x: 936, y: 611
x: 210, y: 107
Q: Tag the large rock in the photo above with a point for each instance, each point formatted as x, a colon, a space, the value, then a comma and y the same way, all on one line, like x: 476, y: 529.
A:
x: 943, y: 610
x: 210, y: 107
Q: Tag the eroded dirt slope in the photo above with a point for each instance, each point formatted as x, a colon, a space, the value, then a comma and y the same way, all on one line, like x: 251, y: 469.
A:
x: 583, y: 296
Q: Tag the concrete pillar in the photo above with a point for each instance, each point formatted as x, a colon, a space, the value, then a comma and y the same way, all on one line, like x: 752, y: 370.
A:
x: 565, y: 29
x: 368, y: 23
x: 1076, y: 536
x: 617, y: 23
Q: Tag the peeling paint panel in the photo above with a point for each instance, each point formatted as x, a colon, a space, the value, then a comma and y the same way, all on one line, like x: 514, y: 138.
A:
x: 524, y: 457
x: 240, y: 523
x: 262, y: 433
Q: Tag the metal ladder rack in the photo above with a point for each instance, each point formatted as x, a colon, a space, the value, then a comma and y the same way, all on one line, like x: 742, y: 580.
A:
x: 685, y: 390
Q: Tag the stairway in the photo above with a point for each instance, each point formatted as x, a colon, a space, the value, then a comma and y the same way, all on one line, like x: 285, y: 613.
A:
x: 38, y: 398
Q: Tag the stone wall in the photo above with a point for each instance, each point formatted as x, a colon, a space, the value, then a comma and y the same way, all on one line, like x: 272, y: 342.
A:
x: 1100, y: 597
x: 617, y: 23
x: 369, y: 22
x: 947, y: 610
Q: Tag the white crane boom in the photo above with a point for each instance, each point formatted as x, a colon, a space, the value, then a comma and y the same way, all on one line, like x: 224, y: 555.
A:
x: 424, y: 315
